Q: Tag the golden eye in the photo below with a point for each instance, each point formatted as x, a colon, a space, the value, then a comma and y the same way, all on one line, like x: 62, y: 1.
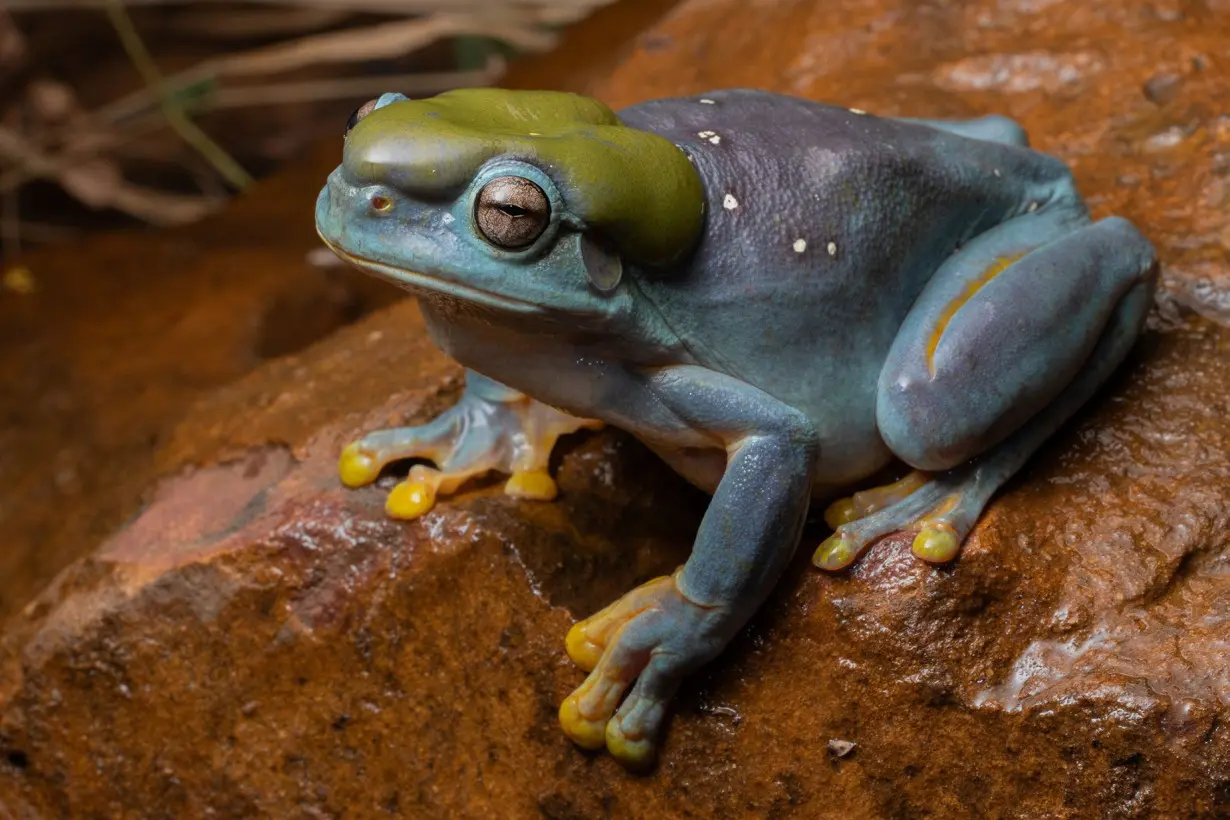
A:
x: 512, y: 212
x: 359, y: 113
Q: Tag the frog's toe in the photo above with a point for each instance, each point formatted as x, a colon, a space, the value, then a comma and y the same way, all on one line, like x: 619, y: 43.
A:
x: 536, y: 485
x: 588, y: 639
x: 642, y: 645
x: 836, y: 553
x: 589, y: 717
x: 584, y: 714
x: 941, y: 512
x: 866, y: 502
x: 936, y: 544
x: 632, y: 734
x: 841, y: 511
x: 415, y: 496
x: 357, y: 467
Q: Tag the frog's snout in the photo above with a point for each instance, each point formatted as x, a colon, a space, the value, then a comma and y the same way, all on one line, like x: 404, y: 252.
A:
x: 342, y: 203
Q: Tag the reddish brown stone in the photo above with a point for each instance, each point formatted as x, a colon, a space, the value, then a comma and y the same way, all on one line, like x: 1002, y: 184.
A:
x: 261, y: 642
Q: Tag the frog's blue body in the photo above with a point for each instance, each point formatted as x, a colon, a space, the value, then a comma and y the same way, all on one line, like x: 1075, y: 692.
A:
x: 861, y: 289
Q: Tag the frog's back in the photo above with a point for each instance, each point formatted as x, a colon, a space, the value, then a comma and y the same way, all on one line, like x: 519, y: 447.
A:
x: 823, y: 224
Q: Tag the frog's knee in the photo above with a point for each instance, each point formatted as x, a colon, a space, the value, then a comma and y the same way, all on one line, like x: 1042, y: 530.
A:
x: 922, y: 429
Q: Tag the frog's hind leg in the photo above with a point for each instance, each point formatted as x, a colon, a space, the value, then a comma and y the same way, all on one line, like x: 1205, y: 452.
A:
x: 1013, y: 334
x: 491, y: 429
x: 991, y: 128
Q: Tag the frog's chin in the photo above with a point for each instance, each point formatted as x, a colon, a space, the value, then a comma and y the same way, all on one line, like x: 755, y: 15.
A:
x: 430, y: 287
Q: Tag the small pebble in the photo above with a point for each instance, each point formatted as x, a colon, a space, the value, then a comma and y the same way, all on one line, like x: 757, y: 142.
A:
x: 840, y: 748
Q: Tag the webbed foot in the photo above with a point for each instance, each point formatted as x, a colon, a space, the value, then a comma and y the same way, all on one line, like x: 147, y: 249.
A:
x: 941, y: 511
x: 647, y: 641
x: 491, y: 429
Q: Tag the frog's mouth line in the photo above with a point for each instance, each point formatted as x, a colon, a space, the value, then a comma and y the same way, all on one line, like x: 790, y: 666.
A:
x: 429, y: 285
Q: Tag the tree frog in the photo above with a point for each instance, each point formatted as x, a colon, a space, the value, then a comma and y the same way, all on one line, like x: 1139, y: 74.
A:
x: 779, y: 297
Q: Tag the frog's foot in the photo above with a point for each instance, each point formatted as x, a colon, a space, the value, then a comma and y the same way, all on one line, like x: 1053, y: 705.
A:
x: 864, y: 503
x: 491, y: 429
x: 652, y: 637
x: 942, y: 511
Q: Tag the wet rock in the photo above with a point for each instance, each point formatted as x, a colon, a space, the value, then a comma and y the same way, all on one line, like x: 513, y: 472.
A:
x: 261, y: 642
x: 116, y: 341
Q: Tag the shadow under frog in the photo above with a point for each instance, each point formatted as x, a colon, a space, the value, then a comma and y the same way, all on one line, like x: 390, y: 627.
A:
x: 779, y: 297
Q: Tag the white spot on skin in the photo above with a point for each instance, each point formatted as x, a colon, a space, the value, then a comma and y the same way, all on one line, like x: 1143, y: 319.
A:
x: 832, y: 249
x: 447, y: 219
x: 1033, y: 206
x: 707, y: 102
x: 995, y: 171
x: 709, y: 135
x: 857, y: 111
x: 729, y: 202
x: 800, y: 245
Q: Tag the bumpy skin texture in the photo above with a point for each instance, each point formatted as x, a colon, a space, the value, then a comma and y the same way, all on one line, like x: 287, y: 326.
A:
x: 831, y: 292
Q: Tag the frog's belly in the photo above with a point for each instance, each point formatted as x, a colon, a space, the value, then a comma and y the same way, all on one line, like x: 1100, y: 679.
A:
x: 705, y: 468
x: 853, y: 457
x: 838, y: 396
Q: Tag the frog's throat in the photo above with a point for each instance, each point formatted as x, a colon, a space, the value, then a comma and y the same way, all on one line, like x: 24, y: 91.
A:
x: 421, y: 283
x: 635, y: 187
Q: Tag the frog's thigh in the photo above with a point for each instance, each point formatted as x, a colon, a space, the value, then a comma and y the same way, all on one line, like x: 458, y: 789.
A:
x: 1003, y: 326
x: 992, y: 128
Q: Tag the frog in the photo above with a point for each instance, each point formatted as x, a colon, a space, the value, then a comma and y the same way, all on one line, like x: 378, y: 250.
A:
x: 790, y: 302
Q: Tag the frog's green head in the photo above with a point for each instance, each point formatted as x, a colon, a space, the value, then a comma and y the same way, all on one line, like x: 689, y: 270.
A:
x: 519, y: 201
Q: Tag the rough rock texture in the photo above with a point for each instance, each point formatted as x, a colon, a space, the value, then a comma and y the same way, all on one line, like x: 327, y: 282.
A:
x: 260, y: 642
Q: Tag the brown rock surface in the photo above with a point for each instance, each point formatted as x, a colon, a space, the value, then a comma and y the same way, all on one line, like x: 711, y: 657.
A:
x: 260, y: 642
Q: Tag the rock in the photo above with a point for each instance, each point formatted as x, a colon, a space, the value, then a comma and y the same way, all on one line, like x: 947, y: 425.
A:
x: 261, y: 642
x: 119, y: 337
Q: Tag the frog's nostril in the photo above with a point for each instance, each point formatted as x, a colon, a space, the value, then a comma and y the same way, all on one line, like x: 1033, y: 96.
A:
x: 381, y: 204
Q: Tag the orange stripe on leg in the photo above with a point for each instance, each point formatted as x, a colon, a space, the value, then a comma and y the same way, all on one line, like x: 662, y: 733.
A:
x: 994, y: 269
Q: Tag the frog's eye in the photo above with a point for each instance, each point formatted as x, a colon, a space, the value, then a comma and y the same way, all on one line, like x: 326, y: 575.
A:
x: 359, y: 113
x: 512, y: 212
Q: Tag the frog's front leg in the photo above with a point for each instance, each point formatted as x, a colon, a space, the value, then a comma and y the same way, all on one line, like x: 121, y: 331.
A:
x: 663, y: 630
x: 1011, y: 336
x: 492, y: 428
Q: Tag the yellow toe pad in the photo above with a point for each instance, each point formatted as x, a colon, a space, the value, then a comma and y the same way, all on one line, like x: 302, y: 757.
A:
x: 632, y: 752
x: 357, y: 467
x: 584, y: 652
x: 841, y: 511
x: 410, y: 499
x: 532, y: 484
x: 936, y: 545
x: 834, y: 553
x: 586, y: 733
